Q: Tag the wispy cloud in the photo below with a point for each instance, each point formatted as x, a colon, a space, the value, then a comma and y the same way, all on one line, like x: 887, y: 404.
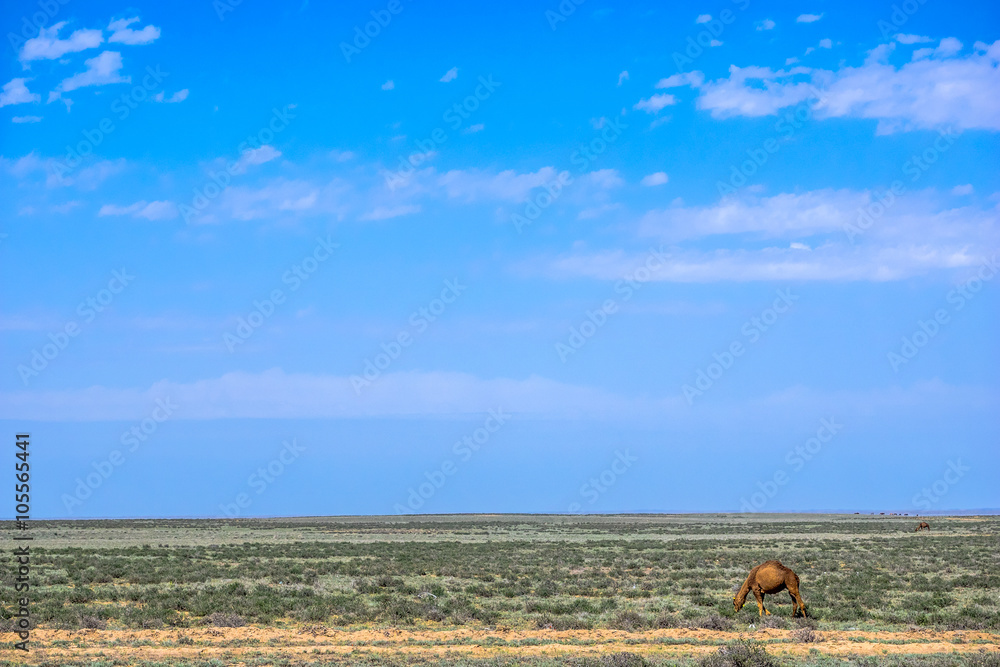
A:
x: 388, y: 212
x: 179, y: 96
x: 450, y: 75
x: 808, y: 18
x: 103, y: 70
x: 16, y: 92
x: 48, y: 46
x: 157, y: 210
x: 935, y: 92
x: 657, y: 178
x: 655, y: 103
x: 121, y: 33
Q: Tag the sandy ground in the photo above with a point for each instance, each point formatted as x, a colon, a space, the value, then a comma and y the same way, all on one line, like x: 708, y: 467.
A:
x: 233, y: 644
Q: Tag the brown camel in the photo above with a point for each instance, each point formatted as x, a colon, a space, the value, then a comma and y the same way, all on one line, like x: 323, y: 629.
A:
x: 770, y: 577
x: 923, y: 524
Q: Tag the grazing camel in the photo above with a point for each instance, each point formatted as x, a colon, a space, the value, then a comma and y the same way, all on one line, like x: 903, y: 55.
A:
x: 771, y: 577
x: 923, y: 524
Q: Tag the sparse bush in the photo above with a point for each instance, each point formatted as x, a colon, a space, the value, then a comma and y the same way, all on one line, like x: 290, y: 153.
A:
x: 222, y: 619
x: 805, y: 635
x: 714, y: 622
x: 742, y: 653
x: 93, y: 623
x: 623, y: 659
x: 629, y: 621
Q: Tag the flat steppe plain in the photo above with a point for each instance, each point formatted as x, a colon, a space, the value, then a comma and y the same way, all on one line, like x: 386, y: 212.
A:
x: 614, y: 590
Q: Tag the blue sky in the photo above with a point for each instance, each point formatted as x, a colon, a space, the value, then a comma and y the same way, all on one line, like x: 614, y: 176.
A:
x: 256, y: 262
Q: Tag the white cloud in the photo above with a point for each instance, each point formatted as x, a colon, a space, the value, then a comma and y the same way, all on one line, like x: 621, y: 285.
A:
x: 766, y: 24
x: 276, y: 198
x: 912, y: 39
x: 16, y: 92
x: 179, y: 96
x: 703, y: 18
x: 509, y: 185
x: 916, y: 235
x: 388, y: 212
x: 826, y: 43
x: 623, y: 76
x: 791, y: 61
x: 603, y: 179
x: 768, y: 264
x: 932, y: 93
x: 252, y: 156
x: 736, y: 96
x: 26, y: 119
x: 388, y: 85
x: 450, y: 75
x: 121, y: 33
x: 781, y: 215
x: 157, y: 210
x: 655, y: 103
x: 48, y: 46
x: 84, y: 178
x: 949, y: 46
x: 472, y: 129
x: 103, y: 70
x: 114, y: 209
x: 962, y: 190
x: 657, y: 178
x: 808, y: 18
x: 276, y: 394
x: 341, y: 156
x: 693, y: 79
x: 715, y: 42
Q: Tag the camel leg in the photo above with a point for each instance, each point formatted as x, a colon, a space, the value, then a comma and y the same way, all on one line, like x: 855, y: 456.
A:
x: 793, y: 590
x: 760, y: 603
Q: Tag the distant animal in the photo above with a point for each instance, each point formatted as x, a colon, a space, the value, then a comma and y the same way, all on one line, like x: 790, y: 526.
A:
x: 768, y: 578
x: 923, y: 524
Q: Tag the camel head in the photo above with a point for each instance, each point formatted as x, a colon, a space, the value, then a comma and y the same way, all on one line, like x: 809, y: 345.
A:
x: 740, y: 598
